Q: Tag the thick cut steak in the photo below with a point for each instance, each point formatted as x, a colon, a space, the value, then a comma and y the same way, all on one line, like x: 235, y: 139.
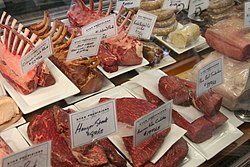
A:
x: 173, y: 157
x: 128, y: 110
x: 152, y: 98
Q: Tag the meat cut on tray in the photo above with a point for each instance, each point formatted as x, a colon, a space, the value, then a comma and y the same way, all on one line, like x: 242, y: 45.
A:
x: 82, y: 72
x: 5, y: 149
x: 15, y: 44
x: 53, y: 124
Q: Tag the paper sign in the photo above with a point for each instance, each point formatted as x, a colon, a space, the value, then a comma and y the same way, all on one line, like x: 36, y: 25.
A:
x: 152, y: 123
x: 127, y: 4
x: 106, y: 26
x: 196, y: 6
x: 175, y: 4
x: 36, y: 55
x: 94, y: 123
x: 35, y: 156
x: 210, y: 76
x: 84, y: 46
x: 247, y: 14
x: 142, y: 25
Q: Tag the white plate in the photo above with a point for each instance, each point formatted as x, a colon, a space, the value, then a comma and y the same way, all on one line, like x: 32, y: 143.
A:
x: 122, y: 69
x: 199, y: 42
x: 231, y: 117
x: 14, y: 139
x: 116, y: 92
x: 166, y: 61
x: 106, y: 86
x: 222, y: 137
x: 43, y: 96
x: 19, y: 122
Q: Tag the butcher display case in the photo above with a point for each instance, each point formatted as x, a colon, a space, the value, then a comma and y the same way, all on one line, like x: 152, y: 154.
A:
x: 230, y: 144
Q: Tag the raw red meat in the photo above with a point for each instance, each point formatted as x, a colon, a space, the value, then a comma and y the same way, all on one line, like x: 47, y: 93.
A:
x: 108, y: 61
x: 173, y: 157
x: 14, y: 45
x: 152, y: 98
x: 53, y: 125
x: 128, y: 110
x: 230, y: 38
x: 218, y: 119
x: 5, y: 149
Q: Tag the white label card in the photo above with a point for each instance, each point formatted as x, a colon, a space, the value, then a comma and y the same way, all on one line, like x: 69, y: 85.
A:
x: 175, y: 4
x: 105, y: 26
x: 93, y: 123
x: 84, y: 46
x: 210, y: 76
x: 36, y: 55
x: 247, y: 14
x: 152, y: 123
x: 196, y: 6
x: 142, y: 25
x: 35, y: 156
x: 127, y: 4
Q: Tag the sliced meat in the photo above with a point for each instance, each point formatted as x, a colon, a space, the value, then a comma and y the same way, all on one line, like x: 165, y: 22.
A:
x: 152, y: 98
x: 218, y: 119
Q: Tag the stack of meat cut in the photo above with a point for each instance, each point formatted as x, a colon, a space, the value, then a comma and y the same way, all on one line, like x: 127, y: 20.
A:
x: 53, y: 125
x: 183, y: 92
x: 120, y: 50
x: 83, y: 72
x: 14, y: 45
x: 166, y: 19
x: 130, y: 109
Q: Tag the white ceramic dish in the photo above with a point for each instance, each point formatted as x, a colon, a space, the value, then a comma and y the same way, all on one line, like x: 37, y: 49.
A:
x: 166, y: 61
x: 231, y: 117
x: 18, y: 123
x: 43, y: 96
x: 122, y: 69
x: 14, y: 139
x: 222, y: 137
x: 75, y: 98
x: 116, y: 92
x: 200, y: 42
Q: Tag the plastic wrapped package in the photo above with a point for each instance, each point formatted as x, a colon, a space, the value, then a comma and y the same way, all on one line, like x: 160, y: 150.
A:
x: 185, y: 36
x: 236, y: 95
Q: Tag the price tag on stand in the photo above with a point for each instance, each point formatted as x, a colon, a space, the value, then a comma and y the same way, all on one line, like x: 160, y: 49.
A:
x: 196, y: 6
x: 175, y: 4
x: 142, y: 25
x: 93, y: 123
x: 84, y: 46
x: 105, y: 26
x: 247, y: 14
x: 35, y: 156
x: 210, y: 76
x: 152, y: 123
x: 127, y: 4
x: 36, y: 55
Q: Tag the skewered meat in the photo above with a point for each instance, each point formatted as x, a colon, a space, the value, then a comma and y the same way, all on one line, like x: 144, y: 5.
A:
x: 83, y: 72
x: 13, y: 46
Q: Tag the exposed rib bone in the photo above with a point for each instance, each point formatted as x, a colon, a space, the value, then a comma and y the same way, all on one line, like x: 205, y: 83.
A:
x: 2, y: 17
x: 91, y: 6
x: 125, y: 21
x: 38, y: 42
x: 110, y: 8
x: 21, y: 45
x: 51, y: 31
x: 10, y: 38
x: 41, y: 24
x: 67, y: 43
x: 62, y: 36
x: 16, y: 40
x: 28, y: 46
x: 58, y: 33
x: 82, y: 5
x: 99, y: 12
x: 6, y: 31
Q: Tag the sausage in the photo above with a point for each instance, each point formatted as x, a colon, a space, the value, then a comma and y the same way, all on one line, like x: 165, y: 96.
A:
x: 151, y: 5
x: 165, y: 23
x: 215, y: 4
x: 165, y: 31
x: 162, y: 14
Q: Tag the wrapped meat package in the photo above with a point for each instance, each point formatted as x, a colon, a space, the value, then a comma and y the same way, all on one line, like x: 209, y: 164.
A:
x: 234, y: 90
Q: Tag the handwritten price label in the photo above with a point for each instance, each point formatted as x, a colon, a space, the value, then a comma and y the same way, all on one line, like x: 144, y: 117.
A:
x: 84, y: 46
x: 210, y: 76
x: 175, y: 4
x: 127, y: 4
x: 196, y: 6
x: 142, y: 25
x: 94, y: 123
x: 152, y: 123
x: 36, y: 156
x: 106, y: 26
x: 247, y: 14
x: 36, y: 55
